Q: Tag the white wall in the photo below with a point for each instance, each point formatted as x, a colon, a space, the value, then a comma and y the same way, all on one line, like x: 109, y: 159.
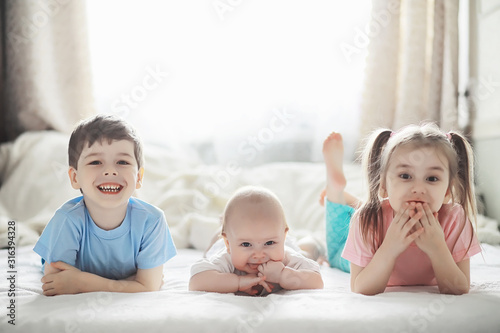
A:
x: 485, y: 97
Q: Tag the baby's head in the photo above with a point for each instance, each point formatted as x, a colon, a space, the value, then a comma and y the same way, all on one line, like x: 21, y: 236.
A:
x: 98, y: 129
x: 105, y: 160
x: 254, y: 228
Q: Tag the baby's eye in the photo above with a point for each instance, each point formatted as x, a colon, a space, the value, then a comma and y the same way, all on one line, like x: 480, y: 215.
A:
x: 123, y: 162
x: 95, y: 163
x: 270, y: 243
x: 404, y: 176
x: 433, y: 179
x: 246, y: 244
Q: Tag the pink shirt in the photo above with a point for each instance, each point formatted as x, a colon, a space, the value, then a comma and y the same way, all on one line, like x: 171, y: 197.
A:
x: 413, y: 267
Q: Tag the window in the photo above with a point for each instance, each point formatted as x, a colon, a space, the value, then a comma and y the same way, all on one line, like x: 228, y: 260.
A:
x: 251, y: 80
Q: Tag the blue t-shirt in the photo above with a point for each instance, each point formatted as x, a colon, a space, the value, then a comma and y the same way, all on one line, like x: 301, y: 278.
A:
x: 142, y: 241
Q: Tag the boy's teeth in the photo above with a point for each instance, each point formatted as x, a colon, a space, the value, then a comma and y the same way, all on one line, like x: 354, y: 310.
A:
x: 109, y: 188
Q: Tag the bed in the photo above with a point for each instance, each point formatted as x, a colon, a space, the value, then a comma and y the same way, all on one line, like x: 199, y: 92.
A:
x: 34, y: 184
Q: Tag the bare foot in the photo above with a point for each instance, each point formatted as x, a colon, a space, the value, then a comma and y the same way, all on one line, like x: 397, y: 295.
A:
x: 333, y: 154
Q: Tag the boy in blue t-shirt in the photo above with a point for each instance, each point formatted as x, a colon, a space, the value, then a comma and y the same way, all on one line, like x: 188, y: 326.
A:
x: 105, y: 240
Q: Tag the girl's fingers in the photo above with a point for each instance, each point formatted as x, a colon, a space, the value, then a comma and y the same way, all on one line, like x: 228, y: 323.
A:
x: 402, y: 215
x: 413, y: 236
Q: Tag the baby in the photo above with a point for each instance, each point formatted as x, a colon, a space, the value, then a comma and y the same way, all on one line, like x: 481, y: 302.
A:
x: 255, y: 259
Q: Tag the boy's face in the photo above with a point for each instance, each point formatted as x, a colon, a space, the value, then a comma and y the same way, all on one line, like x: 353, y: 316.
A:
x: 255, y: 234
x: 107, y: 173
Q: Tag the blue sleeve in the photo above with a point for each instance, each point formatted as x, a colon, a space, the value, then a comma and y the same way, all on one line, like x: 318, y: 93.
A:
x: 157, y: 246
x: 60, y: 240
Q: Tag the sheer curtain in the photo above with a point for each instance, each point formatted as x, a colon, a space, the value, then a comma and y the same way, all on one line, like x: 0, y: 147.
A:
x: 46, y: 71
x: 412, y: 66
x: 254, y: 81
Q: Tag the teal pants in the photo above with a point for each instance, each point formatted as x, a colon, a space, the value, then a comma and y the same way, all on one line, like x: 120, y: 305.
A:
x: 337, y: 228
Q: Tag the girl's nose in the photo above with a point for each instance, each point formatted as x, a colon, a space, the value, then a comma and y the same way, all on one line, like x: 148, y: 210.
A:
x: 418, y: 187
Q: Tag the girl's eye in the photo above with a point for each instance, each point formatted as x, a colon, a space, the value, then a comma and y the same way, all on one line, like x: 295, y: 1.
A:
x: 433, y: 179
x: 123, y: 162
x: 404, y: 176
x: 246, y: 244
x: 270, y: 243
x: 95, y: 163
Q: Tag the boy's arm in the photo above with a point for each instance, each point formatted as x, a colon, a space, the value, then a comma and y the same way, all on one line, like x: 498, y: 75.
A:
x: 214, y: 281
x: 70, y: 280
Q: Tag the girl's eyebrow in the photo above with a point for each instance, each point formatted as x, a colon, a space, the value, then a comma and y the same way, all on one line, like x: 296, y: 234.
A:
x: 437, y: 168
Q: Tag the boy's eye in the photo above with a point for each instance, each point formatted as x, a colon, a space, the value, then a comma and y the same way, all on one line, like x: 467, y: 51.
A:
x: 405, y: 176
x: 433, y: 179
x: 95, y: 163
x: 270, y: 243
x: 246, y: 244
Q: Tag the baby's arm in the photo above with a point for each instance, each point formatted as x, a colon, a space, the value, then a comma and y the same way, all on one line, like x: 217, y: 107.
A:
x: 289, y: 278
x: 61, y: 278
x: 214, y: 281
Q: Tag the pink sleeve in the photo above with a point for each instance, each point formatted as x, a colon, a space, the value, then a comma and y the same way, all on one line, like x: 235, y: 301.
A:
x: 458, y: 232
x: 356, y: 250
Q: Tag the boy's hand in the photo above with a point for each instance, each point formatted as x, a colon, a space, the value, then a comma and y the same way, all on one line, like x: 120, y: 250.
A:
x: 272, y: 270
x: 63, y: 282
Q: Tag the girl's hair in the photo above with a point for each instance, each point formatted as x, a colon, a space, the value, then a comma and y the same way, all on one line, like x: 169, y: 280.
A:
x: 102, y: 127
x: 378, y: 152
x: 254, y: 195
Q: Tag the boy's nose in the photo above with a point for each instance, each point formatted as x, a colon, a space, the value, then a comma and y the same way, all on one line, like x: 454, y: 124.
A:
x: 110, y: 171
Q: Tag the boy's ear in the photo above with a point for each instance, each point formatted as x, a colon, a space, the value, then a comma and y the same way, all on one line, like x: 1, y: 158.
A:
x: 73, y: 179
x: 140, y: 177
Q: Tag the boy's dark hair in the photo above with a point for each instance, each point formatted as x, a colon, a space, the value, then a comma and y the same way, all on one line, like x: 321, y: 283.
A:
x: 98, y: 128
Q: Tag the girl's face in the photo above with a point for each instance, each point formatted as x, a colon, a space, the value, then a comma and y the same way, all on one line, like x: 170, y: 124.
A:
x: 255, y: 234
x: 417, y: 175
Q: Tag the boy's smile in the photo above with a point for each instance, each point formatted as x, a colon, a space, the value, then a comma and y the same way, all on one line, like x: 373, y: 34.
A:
x: 110, y: 188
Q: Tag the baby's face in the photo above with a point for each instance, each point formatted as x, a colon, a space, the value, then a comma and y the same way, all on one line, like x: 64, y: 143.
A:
x: 107, y: 173
x: 255, y: 235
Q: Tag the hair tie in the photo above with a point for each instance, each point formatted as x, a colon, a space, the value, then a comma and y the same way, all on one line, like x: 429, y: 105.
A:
x: 448, y: 135
x: 392, y: 134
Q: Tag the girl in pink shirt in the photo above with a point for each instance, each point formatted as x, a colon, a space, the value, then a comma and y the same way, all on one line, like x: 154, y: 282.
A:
x: 414, y: 228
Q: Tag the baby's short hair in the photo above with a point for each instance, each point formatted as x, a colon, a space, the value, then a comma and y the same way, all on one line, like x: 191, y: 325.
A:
x: 255, y: 195
x: 102, y: 127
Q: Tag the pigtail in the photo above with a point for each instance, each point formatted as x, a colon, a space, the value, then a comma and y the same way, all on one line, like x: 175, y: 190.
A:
x: 464, y: 193
x: 370, y: 213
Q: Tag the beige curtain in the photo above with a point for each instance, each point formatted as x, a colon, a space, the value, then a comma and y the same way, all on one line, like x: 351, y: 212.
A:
x: 46, y: 66
x: 412, y: 64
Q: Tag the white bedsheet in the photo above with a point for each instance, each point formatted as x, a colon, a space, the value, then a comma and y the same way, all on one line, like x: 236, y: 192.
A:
x: 175, y: 309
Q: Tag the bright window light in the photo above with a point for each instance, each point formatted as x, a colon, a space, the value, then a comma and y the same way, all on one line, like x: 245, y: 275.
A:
x: 217, y: 73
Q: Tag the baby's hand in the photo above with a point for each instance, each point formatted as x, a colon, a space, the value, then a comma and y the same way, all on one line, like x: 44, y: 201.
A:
x: 272, y: 270
x: 249, y: 284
